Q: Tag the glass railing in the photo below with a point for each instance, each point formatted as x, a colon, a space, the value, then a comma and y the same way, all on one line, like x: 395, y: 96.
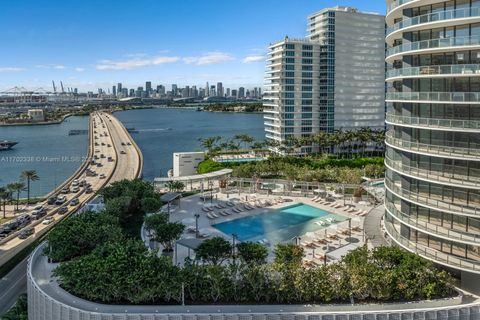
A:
x: 433, y: 122
x: 435, y: 43
x: 435, y: 96
x: 437, y: 172
x: 443, y: 147
x: 430, y: 253
x: 455, y: 69
x: 430, y: 227
x: 430, y: 200
x: 435, y: 16
x: 397, y: 3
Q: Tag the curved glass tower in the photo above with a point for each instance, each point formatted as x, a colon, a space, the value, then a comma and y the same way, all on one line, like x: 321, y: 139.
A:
x: 433, y: 144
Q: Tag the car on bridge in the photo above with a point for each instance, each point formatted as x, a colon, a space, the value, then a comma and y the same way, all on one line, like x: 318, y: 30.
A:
x: 26, y: 233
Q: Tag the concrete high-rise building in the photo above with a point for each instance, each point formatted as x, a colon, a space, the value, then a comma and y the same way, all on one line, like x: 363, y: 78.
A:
x: 433, y: 159
x: 241, y: 93
x: 331, y: 80
x: 234, y: 93
x: 148, y: 88
x: 161, y: 90
x: 114, y: 91
x: 228, y: 92
x: 132, y: 93
x: 213, y: 91
x: 207, y: 90
x: 220, y: 92
x: 119, y: 87
x: 174, y: 90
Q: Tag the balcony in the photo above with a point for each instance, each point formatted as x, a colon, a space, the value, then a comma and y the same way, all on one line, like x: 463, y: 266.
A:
x: 440, y: 97
x: 431, y: 228
x: 441, y: 43
x: 432, y: 201
x: 442, y: 149
x: 435, y: 17
x: 395, y: 4
x: 432, y: 254
x: 437, y: 173
x: 433, y: 123
x: 455, y: 70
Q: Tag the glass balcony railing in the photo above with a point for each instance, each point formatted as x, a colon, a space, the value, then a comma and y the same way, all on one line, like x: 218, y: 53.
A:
x: 437, y: 173
x: 397, y: 3
x: 433, y: 122
x: 433, y: 199
x: 473, y: 97
x: 430, y: 227
x: 456, y: 69
x: 434, y: 43
x: 432, y: 254
x: 435, y: 16
x: 443, y: 148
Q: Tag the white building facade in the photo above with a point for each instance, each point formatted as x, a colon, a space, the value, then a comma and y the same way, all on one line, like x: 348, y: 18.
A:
x: 333, y: 79
x: 433, y: 146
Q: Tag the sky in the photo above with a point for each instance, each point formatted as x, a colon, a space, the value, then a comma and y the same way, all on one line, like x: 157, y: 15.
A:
x: 96, y: 43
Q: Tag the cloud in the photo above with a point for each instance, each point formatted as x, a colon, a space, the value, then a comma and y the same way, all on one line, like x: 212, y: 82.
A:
x: 209, y: 58
x: 51, y: 66
x: 78, y: 69
x: 251, y: 59
x: 134, y: 63
x: 11, y: 69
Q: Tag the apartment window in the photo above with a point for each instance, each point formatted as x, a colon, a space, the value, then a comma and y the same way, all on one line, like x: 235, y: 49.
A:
x: 307, y: 95
x: 290, y: 46
x: 306, y: 115
x: 307, y: 47
x: 289, y: 88
x: 290, y: 53
x: 289, y: 95
x: 306, y: 88
x: 289, y: 109
x: 289, y: 123
x: 307, y: 61
x: 307, y: 68
x: 307, y: 54
x: 289, y: 115
x: 306, y: 129
x: 289, y: 81
x: 289, y: 130
x: 290, y: 74
x: 307, y: 75
x: 307, y: 102
x: 307, y: 109
x: 289, y: 101
x: 289, y: 60
x: 290, y: 67
x: 307, y: 81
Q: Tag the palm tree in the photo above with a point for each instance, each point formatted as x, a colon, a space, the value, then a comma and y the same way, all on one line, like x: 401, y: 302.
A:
x: 245, y: 139
x: 5, y: 195
x: 29, y: 175
x: 209, y: 143
x: 17, y: 187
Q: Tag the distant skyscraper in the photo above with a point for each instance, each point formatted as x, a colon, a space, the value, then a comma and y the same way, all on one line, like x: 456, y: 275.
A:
x: 174, y: 89
x: 207, y: 90
x: 213, y: 91
x: 241, y: 93
x: 132, y: 93
x: 119, y: 87
x: 228, y: 92
x: 234, y: 93
x: 220, y: 89
x: 114, y: 91
x: 148, y: 88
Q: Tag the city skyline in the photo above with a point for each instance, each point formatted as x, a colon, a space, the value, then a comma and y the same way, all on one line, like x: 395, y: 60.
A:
x: 86, y: 52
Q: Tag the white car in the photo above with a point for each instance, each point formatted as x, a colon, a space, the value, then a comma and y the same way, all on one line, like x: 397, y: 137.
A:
x: 48, y: 220
x: 74, y: 189
x: 75, y: 182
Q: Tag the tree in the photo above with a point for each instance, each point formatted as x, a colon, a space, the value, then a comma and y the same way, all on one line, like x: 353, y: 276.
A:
x: 29, y: 175
x: 288, y: 254
x: 214, y: 251
x: 210, y: 143
x: 245, y: 139
x: 17, y: 187
x: 164, y: 232
x: 252, y: 253
x: 80, y: 234
x: 175, y: 186
x: 5, y: 195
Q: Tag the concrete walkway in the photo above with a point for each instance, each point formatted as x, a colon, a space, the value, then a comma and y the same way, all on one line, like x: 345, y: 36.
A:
x: 373, y: 229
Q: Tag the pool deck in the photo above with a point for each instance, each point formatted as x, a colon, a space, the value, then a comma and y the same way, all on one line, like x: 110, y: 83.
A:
x: 331, y: 237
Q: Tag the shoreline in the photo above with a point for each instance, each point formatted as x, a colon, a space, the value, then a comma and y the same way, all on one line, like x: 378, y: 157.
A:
x: 45, y: 123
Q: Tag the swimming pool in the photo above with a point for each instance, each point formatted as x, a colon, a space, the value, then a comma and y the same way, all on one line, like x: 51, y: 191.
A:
x: 277, y: 225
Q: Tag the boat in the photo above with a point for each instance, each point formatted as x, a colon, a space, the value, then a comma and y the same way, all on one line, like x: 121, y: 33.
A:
x: 132, y: 130
x: 7, y: 145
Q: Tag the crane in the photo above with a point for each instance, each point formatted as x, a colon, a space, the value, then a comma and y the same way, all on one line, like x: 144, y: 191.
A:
x: 54, y: 88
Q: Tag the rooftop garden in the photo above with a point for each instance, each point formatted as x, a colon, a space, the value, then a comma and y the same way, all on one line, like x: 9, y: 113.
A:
x: 100, y: 262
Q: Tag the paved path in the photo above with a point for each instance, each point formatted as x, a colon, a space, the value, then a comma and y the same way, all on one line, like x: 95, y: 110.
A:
x: 13, y: 285
x: 372, y: 227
